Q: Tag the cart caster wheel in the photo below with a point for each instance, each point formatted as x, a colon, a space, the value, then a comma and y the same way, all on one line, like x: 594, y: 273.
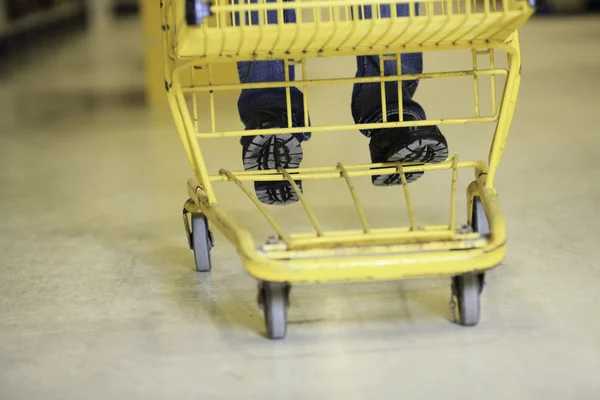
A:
x: 466, y: 289
x: 201, y: 242
x: 481, y: 225
x: 479, y: 221
x: 274, y: 298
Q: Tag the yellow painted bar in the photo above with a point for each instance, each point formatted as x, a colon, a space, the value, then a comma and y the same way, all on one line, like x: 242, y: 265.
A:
x: 357, y: 204
x: 347, y: 127
x: 311, y: 215
x: 275, y: 253
x: 409, y: 205
x: 352, y: 170
x: 263, y: 210
x: 376, y: 79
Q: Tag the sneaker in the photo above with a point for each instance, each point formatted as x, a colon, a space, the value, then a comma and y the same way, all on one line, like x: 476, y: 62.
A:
x: 269, y: 152
x: 416, y: 144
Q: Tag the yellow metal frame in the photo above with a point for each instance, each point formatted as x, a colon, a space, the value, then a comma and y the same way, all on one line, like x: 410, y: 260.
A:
x: 365, y: 253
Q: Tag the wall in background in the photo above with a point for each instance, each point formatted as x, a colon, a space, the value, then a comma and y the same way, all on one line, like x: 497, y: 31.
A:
x: 21, y: 16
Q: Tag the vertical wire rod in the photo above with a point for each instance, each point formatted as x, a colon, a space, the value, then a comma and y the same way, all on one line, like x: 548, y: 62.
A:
x: 263, y: 210
x: 453, y: 194
x: 359, y: 207
x: 409, y: 204
x: 311, y: 216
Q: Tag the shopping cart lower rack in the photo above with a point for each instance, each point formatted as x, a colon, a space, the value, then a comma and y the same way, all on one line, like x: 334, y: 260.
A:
x: 205, y: 34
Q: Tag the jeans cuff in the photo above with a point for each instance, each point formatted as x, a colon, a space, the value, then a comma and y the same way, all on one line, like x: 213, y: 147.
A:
x: 259, y: 116
x: 375, y: 117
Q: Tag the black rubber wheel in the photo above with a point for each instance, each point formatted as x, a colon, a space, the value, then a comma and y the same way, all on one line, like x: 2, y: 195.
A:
x: 274, y: 297
x: 467, y: 289
x: 201, y: 242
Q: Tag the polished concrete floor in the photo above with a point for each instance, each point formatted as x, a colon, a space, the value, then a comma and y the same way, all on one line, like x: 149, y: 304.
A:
x: 99, y: 298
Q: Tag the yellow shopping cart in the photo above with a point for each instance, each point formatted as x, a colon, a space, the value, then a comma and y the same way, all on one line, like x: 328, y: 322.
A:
x: 199, y: 35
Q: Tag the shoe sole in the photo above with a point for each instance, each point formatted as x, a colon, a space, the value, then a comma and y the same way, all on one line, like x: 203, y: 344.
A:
x: 426, y: 150
x: 268, y: 152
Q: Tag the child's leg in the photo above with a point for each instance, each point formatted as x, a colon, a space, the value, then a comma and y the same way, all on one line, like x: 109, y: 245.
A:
x: 253, y: 103
x: 415, y: 144
x: 366, y: 97
x: 267, y: 109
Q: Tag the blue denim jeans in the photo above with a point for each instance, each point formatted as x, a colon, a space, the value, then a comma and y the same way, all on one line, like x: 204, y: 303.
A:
x: 366, y: 97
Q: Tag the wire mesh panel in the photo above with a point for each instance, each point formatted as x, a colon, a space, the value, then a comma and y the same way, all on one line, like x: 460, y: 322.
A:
x: 272, y: 29
x: 367, y: 235
x: 482, y: 83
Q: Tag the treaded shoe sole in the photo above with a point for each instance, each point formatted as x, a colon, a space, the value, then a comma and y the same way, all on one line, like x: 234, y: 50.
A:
x: 426, y: 147
x: 268, y: 152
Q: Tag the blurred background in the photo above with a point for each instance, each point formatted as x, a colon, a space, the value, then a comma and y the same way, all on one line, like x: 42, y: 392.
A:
x: 32, y: 28
x: 99, y: 297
